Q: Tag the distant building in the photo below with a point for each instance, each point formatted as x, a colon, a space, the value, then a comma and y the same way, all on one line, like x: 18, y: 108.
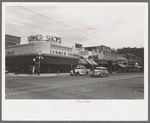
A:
x: 114, y: 54
x: 12, y: 40
x: 100, y: 52
x: 137, y: 54
x: 102, y: 55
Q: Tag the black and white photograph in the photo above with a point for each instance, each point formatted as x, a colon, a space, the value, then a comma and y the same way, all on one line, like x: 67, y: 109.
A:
x: 88, y: 56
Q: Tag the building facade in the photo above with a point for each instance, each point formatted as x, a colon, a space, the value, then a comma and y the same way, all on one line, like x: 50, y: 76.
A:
x: 23, y: 58
x: 100, y: 52
x: 137, y: 54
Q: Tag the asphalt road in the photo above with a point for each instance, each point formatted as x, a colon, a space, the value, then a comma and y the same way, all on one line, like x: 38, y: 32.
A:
x: 115, y: 86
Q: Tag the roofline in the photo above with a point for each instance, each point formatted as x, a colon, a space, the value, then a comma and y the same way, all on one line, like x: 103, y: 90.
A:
x: 13, y: 35
x: 19, y: 45
x: 42, y: 54
x: 61, y: 46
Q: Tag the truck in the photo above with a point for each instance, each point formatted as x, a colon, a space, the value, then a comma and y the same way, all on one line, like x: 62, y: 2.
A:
x: 80, y: 70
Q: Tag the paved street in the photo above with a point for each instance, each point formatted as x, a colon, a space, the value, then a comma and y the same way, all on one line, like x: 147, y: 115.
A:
x: 115, y: 86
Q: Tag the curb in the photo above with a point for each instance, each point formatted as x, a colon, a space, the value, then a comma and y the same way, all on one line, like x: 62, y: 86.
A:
x: 41, y: 75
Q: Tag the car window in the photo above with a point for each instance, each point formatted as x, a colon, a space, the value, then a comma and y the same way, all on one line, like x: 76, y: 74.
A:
x: 97, y: 68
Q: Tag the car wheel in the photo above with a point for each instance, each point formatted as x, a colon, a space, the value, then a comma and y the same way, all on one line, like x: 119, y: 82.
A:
x: 99, y: 75
x: 86, y: 73
x: 91, y: 75
x: 77, y: 74
x: 106, y: 74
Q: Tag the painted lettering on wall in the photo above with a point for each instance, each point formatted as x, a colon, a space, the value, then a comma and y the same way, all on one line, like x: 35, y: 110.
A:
x: 64, y: 53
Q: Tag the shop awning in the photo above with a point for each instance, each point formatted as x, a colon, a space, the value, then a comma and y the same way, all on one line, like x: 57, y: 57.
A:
x: 101, y: 61
x: 88, y: 61
x: 121, y: 65
x: 93, y: 62
x: 138, y: 66
x: 28, y: 59
x: 82, y: 61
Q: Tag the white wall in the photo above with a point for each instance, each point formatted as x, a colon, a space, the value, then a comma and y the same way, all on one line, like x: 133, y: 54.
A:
x: 36, y: 47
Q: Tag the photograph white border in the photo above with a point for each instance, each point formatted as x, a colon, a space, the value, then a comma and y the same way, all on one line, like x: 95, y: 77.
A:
x: 59, y: 110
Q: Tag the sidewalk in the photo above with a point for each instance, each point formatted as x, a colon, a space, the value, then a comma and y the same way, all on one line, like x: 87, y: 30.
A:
x: 41, y: 75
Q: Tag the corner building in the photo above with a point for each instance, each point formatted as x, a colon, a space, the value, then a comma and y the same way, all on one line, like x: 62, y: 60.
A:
x: 21, y: 58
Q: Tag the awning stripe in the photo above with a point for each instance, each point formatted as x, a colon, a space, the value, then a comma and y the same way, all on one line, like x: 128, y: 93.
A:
x: 87, y: 60
x: 121, y: 65
x: 93, y: 62
x: 82, y: 61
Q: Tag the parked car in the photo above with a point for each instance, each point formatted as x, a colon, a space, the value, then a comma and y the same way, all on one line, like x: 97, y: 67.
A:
x: 79, y: 70
x: 99, y: 71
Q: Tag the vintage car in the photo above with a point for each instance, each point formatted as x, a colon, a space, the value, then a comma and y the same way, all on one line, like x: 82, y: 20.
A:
x: 99, y: 71
x: 79, y: 70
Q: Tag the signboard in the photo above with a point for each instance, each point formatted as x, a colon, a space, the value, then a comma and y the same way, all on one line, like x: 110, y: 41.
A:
x: 78, y: 45
x: 64, y: 53
x: 47, y: 38
x: 83, y: 52
x: 12, y: 40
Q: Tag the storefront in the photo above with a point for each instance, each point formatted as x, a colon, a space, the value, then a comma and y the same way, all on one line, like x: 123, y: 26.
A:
x: 40, y: 56
x: 101, y: 62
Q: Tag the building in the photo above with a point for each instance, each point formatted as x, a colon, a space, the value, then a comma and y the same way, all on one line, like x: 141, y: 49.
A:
x: 114, y: 61
x: 114, y: 54
x: 42, y: 56
x: 137, y: 54
x: 45, y: 56
x: 100, y: 52
x: 102, y: 55
x: 12, y: 40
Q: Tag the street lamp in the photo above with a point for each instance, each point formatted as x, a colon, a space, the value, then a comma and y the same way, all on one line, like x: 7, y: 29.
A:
x: 38, y: 58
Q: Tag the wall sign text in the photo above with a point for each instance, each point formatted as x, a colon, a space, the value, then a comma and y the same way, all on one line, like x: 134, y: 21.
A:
x: 47, y: 38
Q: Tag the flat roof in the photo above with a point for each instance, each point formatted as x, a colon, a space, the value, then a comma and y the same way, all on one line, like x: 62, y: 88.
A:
x: 21, y: 45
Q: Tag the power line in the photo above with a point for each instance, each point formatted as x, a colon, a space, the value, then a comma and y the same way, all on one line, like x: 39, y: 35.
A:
x: 34, y: 26
x: 27, y: 24
x: 65, y: 24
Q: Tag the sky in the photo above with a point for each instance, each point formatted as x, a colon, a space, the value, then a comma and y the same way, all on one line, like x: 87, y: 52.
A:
x: 116, y: 25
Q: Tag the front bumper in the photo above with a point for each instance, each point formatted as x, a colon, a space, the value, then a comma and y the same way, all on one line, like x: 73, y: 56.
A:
x: 95, y: 73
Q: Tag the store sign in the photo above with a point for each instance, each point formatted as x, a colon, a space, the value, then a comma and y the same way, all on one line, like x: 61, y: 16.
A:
x: 64, y: 53
x: 13, y: 39
x: 78, y: 45
x: 47, y: 38
x: 83, y: 52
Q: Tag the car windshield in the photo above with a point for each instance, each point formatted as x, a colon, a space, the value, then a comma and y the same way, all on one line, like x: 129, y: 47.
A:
x: 97, y: 68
